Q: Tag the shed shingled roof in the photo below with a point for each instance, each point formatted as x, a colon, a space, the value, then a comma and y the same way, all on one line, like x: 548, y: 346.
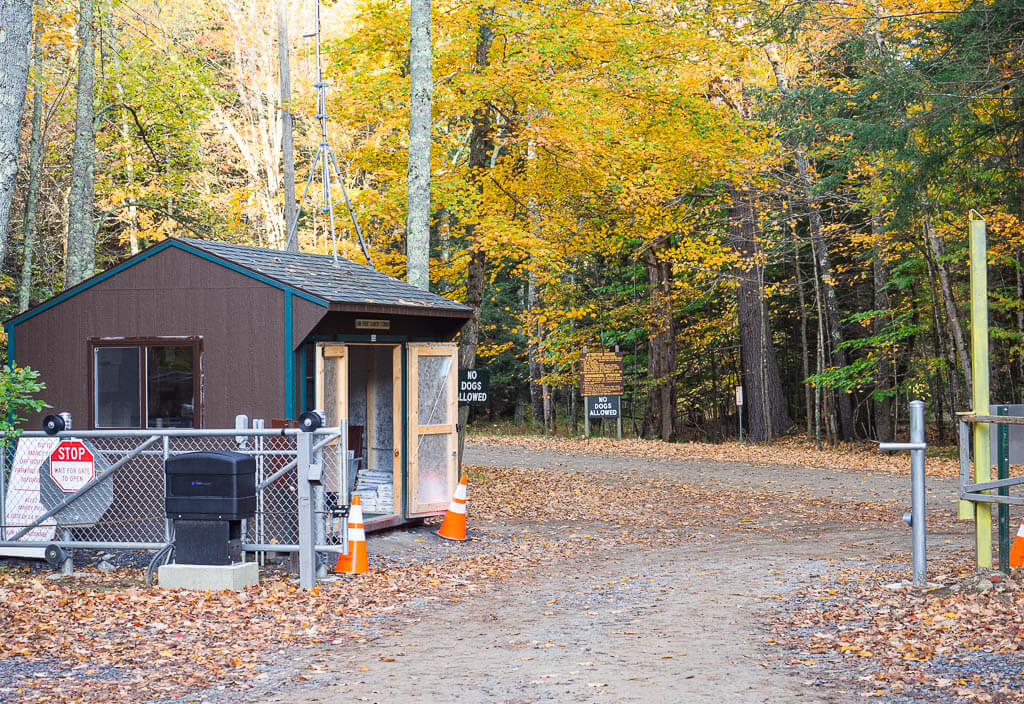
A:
x: 317, y: 274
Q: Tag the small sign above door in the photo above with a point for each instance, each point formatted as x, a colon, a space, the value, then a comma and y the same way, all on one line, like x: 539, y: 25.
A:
x: 372, y: 324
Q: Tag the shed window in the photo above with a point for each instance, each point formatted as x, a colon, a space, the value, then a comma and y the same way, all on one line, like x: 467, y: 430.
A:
x: 117, y: 387
x: 158, y: 377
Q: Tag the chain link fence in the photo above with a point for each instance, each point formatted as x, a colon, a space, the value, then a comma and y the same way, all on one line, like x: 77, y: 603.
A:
x: 122, y: 505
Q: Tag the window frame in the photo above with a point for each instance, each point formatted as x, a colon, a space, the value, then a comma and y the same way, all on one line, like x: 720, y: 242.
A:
x: 142, y: 344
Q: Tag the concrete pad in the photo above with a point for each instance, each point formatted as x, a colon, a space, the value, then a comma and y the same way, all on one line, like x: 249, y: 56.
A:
x: 235, y: 577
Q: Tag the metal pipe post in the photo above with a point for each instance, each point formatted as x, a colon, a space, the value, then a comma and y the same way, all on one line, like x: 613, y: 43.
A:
x: 6, y: 461
x: 917, y: 491
x: 67, y: 567
x: 307, y: 558
x: 319, y: 518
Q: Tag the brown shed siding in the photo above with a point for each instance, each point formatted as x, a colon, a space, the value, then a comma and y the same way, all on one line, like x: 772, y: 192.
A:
x: 172, y: 293
x: 305, y: 316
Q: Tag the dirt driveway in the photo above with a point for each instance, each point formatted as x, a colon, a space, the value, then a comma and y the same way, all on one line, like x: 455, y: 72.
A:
x: 681, y: 618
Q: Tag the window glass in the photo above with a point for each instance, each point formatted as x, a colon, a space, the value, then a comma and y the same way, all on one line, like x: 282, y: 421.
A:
x: 432, y: 375
x: 117, y: 387
x: 169, y: 387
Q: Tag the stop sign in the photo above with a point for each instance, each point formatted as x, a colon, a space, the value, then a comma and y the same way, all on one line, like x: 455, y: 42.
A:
x: 72, y: 466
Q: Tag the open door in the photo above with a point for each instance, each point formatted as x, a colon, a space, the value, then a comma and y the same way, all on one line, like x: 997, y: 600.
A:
x: 331, y: 393
x: 331, y: 396
x: 433, y: 412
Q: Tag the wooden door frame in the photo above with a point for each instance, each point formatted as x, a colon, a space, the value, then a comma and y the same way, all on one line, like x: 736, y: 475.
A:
x: 430, y: 349
x: 397, y: 395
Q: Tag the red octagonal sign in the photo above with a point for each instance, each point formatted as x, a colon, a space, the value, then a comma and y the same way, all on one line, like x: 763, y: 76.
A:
x: 72, y: 466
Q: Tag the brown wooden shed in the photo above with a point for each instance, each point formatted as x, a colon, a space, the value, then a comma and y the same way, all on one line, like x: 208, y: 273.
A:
x: 191, y: 333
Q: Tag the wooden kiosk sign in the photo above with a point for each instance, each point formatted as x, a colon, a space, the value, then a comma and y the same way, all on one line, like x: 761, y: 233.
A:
x: 601, y: 374
x: 601, y: 385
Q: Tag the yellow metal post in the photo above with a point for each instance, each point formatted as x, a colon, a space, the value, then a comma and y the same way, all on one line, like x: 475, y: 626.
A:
x: 980, y: 392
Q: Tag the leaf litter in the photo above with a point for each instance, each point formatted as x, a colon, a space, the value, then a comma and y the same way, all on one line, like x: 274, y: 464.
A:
x: 104, y: 637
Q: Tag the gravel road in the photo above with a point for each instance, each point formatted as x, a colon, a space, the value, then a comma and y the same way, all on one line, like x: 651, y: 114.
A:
x: 675, y: 623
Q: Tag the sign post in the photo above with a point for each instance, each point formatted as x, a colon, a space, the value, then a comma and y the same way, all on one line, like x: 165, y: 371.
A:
x: 739, y: 407
x: 601, y: 376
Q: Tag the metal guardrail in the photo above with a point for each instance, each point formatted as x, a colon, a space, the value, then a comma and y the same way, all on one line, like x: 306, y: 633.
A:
x: 970, y: 491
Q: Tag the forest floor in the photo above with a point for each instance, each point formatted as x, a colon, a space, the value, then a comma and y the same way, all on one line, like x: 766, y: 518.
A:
x: 594, y: 572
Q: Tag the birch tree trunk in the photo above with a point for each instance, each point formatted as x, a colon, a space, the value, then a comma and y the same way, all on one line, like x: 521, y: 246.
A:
x: 534, y: 363
x: 81, y: 256
x: 885, y: 366
x: 819, y: 248
x: 35, y: 162
x: 284, y: 79
x: 938, y: 248
x: 421, y: 81
x: 804, y: 348
x: 761, y: 380
x: 15, y: 37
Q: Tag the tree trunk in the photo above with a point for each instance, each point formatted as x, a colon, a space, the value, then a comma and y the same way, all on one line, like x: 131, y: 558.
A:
x: 884, y: 367
x: 660, y: 416
x: 804, y: 349
x: 15, y: 37
x: 1020, y: 322
x: 287, y: 147
x: 761, y: 380
x: 819, y: 249
x: 938, y: 248
x: 417, y: 228
x: 81, y: 257
x: 479, y: 146
x: 535, y: 365
x: 35, y: 163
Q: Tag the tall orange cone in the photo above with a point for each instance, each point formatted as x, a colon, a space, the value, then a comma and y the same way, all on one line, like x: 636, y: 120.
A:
x: 356, y: 561
x: 1017, y: 550
x: 454, y: 525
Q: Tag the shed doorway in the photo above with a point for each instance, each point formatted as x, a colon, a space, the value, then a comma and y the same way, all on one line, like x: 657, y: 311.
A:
x: 363, y: 382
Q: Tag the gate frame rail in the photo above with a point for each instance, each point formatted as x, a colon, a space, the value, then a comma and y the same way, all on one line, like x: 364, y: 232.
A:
x: 308, y: 463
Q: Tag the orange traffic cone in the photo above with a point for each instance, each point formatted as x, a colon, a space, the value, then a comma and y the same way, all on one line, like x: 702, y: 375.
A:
x: 1017, y: 550
x: 454, y: 525
x: 356, y: 561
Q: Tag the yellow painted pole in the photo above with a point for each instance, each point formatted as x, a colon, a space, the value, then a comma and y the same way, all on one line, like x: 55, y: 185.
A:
x: 980, y: 392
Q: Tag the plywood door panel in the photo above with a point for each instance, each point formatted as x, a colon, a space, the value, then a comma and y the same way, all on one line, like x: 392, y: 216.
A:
x: 432, y: 413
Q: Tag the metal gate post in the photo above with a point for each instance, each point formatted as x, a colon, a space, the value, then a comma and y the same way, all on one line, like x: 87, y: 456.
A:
x: 917, y: 447
x: 67, y: 567
x: 1003, y: 472
x: 917, y: 491
x: 319, y: 516
x: 307, y: 557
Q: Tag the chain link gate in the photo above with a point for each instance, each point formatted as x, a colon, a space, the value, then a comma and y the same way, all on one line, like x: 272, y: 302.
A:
x: 122, y: 507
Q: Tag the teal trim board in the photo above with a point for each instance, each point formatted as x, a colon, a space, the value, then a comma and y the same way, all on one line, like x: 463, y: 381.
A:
x: 289, y: 359
x: 303, y: 400
x: 405, y: 432
x: 89, y: 283
x: 9, y: 327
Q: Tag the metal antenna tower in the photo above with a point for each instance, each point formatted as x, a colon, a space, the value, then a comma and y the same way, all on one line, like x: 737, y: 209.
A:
x: 326, y: 162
